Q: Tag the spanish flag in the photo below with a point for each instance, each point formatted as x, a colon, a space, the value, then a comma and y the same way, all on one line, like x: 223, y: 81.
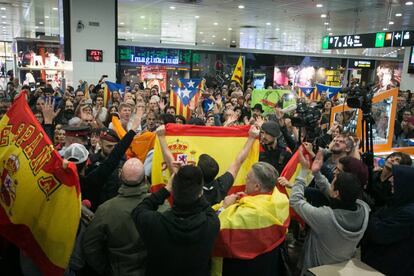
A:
x: 188, y: 142
x: 290, y: 172
x: 39, y: 200
x: 238, y: 73
x: 255, y: 225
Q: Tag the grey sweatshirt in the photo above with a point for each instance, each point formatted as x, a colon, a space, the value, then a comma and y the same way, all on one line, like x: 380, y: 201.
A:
x: 334, y: 233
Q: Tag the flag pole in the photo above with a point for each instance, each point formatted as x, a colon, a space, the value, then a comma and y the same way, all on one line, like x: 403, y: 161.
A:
x: 244, y: 71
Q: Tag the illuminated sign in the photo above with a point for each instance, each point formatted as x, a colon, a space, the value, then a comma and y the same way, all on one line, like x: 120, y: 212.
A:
x: 356, y: 63
x: 154, y: 60
x: 372, y: 40
x: 94, y: 55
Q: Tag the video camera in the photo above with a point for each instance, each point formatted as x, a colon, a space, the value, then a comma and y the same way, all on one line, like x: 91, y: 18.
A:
x: 308, y: 117
x: 360, y: 97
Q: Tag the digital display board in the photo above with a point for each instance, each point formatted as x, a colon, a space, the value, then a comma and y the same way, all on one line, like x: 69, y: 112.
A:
x: 361, y: 64
x: 94, y: 55
x: 411, y: 62
x: 372, y: 40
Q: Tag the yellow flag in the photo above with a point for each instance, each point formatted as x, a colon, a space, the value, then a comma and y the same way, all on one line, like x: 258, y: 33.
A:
x: 238, y: 73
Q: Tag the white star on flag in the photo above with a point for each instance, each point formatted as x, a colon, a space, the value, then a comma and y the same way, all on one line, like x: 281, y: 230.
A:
x: 190, y: 84
x: 186, y: 93
x: 329, y: 93
x: 307, y: 91
x: 210, y: 106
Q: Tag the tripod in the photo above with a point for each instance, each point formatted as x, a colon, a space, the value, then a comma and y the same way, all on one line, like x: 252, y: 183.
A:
x: 368, y: 142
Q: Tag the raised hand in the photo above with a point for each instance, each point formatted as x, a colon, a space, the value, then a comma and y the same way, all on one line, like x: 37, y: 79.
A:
x: 48, y: 111
x: 284, y: 182
x: 254, y: 132
x: 317, y: 162
x: 303, y: 161
x: 160, y: 131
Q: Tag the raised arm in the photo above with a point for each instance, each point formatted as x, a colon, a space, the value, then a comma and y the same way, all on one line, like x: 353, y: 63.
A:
x: 167, y: 155
x: 241, y: 157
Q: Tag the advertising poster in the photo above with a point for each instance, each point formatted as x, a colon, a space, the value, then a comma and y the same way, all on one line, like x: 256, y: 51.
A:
x: 269, y: 99
x: 154, y: 75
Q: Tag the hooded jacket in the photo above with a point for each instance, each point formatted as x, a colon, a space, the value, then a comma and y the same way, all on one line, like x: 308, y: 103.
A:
x: 179, y: 241
x: 334, y: 233
x: 390, y: 235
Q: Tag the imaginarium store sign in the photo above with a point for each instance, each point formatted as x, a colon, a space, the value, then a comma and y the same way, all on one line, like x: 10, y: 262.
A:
x: 151, y: 56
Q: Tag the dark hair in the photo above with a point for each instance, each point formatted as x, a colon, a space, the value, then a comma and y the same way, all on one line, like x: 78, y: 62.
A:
x: 169, y: 107
x: 196, y: 121
x: 348, y: 186
x: 209, y: 167
x: 187, y: 185
x: 405, y: 158
x: 181, y: 117
x: 167, y: 119
x: 356, y: 167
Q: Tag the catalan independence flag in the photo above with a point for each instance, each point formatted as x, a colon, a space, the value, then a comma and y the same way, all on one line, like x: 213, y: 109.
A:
x: 305, y: 91
x: 331, y: 91
x: 39, y: 200
x: 238, y: 73
x: 186, y: 94
x: 108, y: 88
x: 254, y: 225
x: 188, y: 142
x: 291, y: 170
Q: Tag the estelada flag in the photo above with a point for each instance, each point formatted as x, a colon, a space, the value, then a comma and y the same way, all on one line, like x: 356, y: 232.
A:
x: 305, y: 91
x: 39, y: 200
x: 254, y: 225
x: 238, y: 73
x: 188, y: 142
x: 185, y: 95
x: 110, y: 87
x: 291, y: 170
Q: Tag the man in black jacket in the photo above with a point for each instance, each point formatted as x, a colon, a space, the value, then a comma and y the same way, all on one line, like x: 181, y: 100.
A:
x: 179, y: 241
x: 389, y: 238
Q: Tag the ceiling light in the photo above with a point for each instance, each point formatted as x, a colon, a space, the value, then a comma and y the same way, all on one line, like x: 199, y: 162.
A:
x: 3, y: 16
x: 284, y: 34
x: 3, y: 9
x: 167, y: 23
x: 46, y: 16
x: 268, y: 23
x: 196, y: 17
x: 277, y: 29
x: 241, y: 7
x: 36, y: 27
x: 215, y: 23
x: 409, y: 3
x: 142, y: 17
x: 233, y: 41
x: 319, y: 5
x: 128, y: 32
x: 4, y: 22
x: 385, y: 29
x: 213, y: 36
x: 172, y: 8
x: 203, y: 41
x: 201, y: 33
x: 241, y: 33
x: 145, y: 35
x: 212, y: 43
x: 398, y: 14
x: 224, y: 38
x: 326, y: 23
x: 145, y: 28
x: 330, y: 34
x: 323, y: 15
x: 55, y: 9
x: 229, y: 29
x: 122, y: 23
x: 391, y: 23
x: 329, y: 29
x: 41, y: 23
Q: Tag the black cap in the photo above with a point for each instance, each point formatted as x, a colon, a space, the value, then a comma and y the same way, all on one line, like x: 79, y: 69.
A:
x: 77, y: 131
x: 258, y: 107
x: 272, y: 128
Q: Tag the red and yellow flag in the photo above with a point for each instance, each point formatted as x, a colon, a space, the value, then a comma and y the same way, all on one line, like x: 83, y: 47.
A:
x: 290, y: 172
x: 39, y: 200
x: 256, y: 224
x: 188, y: 142
x: 238, y: 73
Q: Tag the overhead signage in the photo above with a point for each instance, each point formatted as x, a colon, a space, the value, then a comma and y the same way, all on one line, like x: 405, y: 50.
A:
x: 94, y: 55
x: 157, y: 56
x: 372, y: 40
x: 361, y: 64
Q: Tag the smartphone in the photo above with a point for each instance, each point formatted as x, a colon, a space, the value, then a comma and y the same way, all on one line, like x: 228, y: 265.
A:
x: 104, y: 76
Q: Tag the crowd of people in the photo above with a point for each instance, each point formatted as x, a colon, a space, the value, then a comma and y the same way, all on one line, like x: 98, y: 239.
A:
x: 126, y: 230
